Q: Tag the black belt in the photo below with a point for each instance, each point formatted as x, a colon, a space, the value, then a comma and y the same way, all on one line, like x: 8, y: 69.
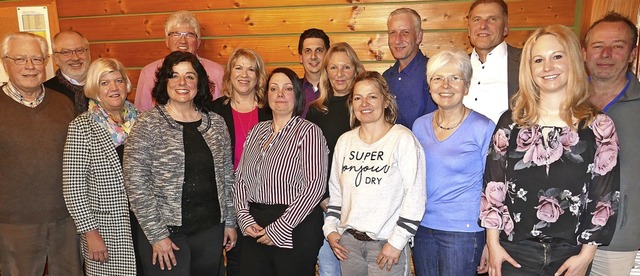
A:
x: 361, y: 236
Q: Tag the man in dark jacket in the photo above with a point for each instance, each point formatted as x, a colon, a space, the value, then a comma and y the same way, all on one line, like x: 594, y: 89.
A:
x: 72, y: 55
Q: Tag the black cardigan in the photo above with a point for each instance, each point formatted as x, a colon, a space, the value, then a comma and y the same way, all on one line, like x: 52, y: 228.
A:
x: 224, y: 109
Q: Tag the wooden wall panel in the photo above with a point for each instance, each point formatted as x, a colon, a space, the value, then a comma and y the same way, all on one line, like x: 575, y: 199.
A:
x: 114, y: 7
x: 596, y: 9
x: 361, y: 18
x: 133, y: 30
x: 369, y: 47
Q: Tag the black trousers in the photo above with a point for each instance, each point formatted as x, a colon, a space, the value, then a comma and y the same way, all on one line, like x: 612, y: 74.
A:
x: 537, y: 258
x: 262, y: 260
x: 200, y: 253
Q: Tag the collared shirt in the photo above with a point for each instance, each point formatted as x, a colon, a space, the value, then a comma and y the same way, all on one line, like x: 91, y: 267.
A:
x: 147, y: 81
x: 72, y: 81
x: 12, y: 92
x: 489, y: 90
x: 411, y: 89
x: 281, y: 168
x: 310, y: 95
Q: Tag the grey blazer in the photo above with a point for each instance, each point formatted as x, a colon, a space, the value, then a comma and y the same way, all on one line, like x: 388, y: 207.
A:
x: 513, y: 69
x: 154, y: 170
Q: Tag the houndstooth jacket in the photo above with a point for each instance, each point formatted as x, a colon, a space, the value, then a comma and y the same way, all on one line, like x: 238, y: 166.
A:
x: 93, y: 189
x: 154, y: 170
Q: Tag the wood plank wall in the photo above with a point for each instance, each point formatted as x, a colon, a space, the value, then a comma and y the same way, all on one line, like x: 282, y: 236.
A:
x: 132, y: 30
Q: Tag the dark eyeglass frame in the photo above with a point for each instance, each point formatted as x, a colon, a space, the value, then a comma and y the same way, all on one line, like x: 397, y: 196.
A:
x: 68, y: 53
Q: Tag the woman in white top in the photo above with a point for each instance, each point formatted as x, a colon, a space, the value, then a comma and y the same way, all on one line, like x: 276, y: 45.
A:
x: 376, y: 185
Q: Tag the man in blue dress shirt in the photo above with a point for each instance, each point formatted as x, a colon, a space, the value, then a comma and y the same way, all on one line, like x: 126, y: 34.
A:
x: 407, y: 77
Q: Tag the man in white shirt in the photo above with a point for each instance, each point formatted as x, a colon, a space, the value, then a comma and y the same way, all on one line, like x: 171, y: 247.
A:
x: 495, y: 63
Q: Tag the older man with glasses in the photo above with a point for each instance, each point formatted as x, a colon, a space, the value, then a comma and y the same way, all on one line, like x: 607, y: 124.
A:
x: 72, y: 55
x: 182, y: 34
x: 35, y: 226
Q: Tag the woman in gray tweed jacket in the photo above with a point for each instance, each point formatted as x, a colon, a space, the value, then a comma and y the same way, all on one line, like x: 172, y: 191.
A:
x: 178, y: 174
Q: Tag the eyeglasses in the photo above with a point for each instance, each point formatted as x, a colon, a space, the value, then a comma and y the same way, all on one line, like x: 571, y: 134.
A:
x: 68, y: 53
x: 23, y: 60
x: 451, y: 79
x: 178, y: 35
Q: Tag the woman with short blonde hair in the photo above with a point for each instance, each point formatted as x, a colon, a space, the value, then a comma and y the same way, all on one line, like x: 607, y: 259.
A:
x: 93, y: 185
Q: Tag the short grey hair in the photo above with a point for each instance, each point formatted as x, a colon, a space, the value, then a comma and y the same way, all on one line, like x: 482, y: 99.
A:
x: 455, y: 56
x: 417, y: 20
x: 55, y: 38
x: 6, y: 40
x: 182, y: 18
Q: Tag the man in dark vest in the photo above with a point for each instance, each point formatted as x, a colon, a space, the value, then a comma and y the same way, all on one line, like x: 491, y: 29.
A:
x: 71, y: 54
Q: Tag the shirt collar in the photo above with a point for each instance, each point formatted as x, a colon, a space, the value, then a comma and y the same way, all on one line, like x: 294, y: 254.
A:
x: 72, y: 81
x: 499, y: 51
x: 12, y: 92
x: 415, y: 62
x: 306, y: 83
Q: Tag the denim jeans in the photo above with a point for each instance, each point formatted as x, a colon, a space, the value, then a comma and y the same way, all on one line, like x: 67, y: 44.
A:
x: 328, y: 263
x: 437, y: 252
x: 361, y: 259
x: 537, y: 258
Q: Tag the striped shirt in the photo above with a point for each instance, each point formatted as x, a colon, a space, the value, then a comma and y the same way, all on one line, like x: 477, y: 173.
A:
x: 290, y: 169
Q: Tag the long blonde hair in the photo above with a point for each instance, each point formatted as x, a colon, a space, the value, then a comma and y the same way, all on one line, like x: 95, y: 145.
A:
x: 576, y: 105
x: 325, y: 88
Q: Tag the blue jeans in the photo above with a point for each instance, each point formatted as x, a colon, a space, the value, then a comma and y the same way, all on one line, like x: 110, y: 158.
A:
x: 537, y: 258
x: 437, y: 252
x: 328, y: 263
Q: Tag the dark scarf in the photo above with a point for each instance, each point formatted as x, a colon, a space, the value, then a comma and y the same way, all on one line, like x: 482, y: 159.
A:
x: 81, y: 102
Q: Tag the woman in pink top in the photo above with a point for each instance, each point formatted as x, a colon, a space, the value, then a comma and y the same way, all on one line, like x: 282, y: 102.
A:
x: 242, y: 106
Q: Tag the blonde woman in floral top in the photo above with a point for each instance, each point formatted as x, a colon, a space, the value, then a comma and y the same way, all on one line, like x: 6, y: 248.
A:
x: 551, y: 181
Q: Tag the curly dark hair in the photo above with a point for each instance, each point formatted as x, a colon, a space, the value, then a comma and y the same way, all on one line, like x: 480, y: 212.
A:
x: 203, y: 99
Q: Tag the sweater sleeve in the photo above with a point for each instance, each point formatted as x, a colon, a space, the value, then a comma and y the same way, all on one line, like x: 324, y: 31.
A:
x: 411, y: 161
x: 138, y: 180
x: 75, y: 166
x: 313, y: 166
x: 334, y: 208
x: 486, y: 139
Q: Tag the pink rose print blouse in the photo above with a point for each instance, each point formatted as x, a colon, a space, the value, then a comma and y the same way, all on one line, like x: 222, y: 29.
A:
x: 553, y: 182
